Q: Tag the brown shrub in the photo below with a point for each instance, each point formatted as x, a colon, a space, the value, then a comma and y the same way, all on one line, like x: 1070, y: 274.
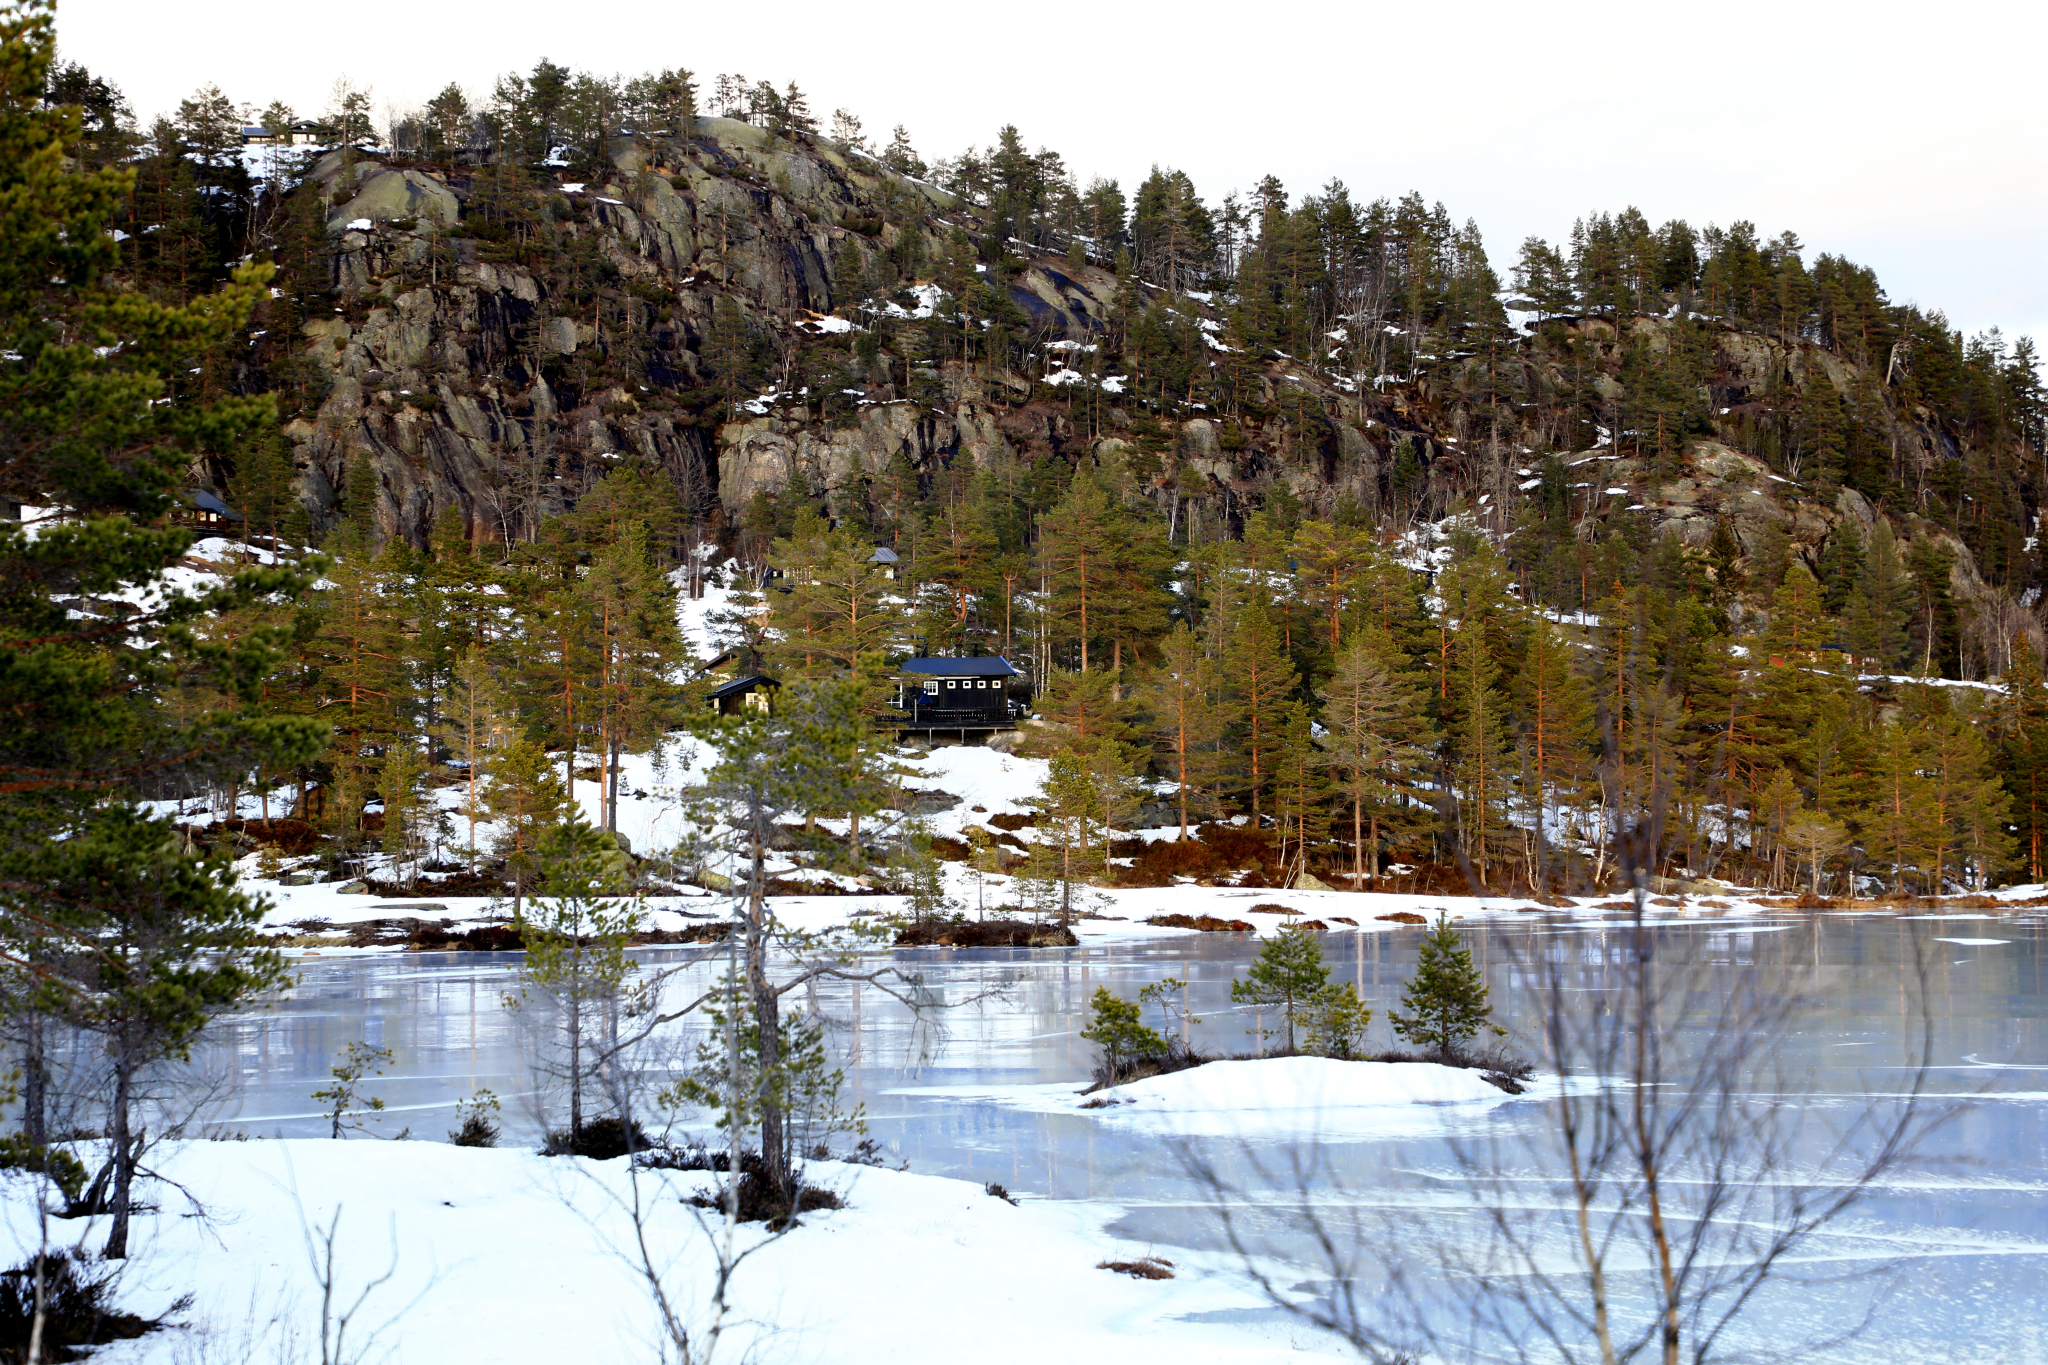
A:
x: 1144, y: 1268
x: 1024, y: 821
x: 1404, y: 917
x: 994, y: 933
x: 1208, y: 924
x: 1236, y: 847
x: 1269, y: 908
x: 289, y: 837
x: 1178, y: 858
x: 455, y: 884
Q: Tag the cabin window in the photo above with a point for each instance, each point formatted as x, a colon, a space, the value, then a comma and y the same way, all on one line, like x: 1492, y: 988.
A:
x: 949, y: 684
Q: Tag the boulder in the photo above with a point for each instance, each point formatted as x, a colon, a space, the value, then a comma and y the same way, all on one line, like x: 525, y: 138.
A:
x: 389, y: 194
x: 1308, y: 881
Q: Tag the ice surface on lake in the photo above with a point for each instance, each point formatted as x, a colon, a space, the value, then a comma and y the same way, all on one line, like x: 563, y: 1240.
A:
x: 1974, y: 1209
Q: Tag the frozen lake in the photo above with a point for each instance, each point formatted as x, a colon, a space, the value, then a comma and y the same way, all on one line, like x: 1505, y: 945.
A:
x: 1974, y: 1216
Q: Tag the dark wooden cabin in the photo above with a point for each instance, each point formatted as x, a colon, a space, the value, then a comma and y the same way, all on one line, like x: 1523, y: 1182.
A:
x: 734, y: 689
x: 955, y: 694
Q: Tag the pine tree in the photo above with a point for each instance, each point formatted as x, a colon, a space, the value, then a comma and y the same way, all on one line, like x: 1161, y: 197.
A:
x: 2023, y: 755
x: 1074, y: 552
x: 1117, y: 1027
x: 1966, y: 810
x: 1067, y: 805
x: 1180, y: 696
x: 361, y: 648
x: 1480, y: 766
x: 1446, y: 999
x: 1881, y: 604
x: 1258, y: 680
x: 1897, y: 820
x: 1289, y: 975
x: 838, y: 605
x: 631, y: 604
x: 1377, y: 737
x: 525, y: 799
x: 407, y: 807
x: 954, y: 570
x: 1301, y: 791
x: 261, y: 489
x: 1557, y: 730
x: 1078, y: 711
x: 171, y: 944
x: 576, y: 931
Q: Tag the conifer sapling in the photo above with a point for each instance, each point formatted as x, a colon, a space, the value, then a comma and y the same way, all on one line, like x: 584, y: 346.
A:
x: 1446, y: 1000
x: 1289, y: 974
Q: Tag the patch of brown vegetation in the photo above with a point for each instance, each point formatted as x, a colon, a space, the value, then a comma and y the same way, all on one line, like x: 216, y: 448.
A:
x: 1269, y: 908
x: 1144, y: 1268
x: 994, y: 933
x: 1024, y: 821
x: 1344, y: 919
x: 1208, y: 924
x: 289, y: 837
x: 455, y: 884
x: 1404, y: 917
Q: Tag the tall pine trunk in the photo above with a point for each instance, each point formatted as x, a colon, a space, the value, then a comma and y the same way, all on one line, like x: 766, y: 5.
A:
x: 123, y: 1155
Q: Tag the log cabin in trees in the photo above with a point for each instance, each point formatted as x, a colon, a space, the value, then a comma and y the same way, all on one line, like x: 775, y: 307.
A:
x: 964, y: 695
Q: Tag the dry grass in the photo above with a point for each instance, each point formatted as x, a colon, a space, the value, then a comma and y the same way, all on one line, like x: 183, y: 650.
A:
x: 1144, y: 1268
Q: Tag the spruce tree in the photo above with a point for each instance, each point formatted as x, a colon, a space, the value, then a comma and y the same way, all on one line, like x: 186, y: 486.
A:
x: 1446, y: 1000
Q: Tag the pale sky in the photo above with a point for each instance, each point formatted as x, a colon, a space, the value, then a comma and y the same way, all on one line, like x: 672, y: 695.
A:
x: 1907, y: 137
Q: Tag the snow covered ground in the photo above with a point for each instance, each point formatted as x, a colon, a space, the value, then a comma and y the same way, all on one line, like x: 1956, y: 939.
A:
x: 1309, y: 1098
x: 508, y: 1257
x: 977, y: 784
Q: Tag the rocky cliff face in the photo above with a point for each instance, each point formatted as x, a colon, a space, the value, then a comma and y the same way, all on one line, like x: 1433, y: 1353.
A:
x: 713, y: 307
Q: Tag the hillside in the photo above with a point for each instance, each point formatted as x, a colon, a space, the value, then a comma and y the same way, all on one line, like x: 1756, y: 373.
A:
x: 1655, y: 534
x: 750, y: 309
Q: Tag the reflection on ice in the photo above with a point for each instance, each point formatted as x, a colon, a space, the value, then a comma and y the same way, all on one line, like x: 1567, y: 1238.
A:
x: 990, y: 1094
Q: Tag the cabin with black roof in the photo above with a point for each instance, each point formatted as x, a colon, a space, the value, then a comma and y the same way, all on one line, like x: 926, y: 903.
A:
x: 734, y: 689
x: 963, y: 695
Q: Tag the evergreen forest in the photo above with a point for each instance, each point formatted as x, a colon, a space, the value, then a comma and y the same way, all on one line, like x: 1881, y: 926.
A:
x: 1369, y: 555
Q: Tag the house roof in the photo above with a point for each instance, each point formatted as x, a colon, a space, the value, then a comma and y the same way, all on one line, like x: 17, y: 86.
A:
x: 207, y: 502
x: 741, y: 685
x: 985, y: 666
x: 883, y: 555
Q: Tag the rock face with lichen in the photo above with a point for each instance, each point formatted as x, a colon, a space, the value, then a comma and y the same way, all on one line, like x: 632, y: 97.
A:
x: 745, y: 309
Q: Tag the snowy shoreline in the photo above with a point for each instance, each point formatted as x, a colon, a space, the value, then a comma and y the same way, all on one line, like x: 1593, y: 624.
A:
x: 510, y: 1257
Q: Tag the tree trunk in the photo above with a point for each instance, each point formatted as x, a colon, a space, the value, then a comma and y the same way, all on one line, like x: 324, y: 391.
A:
x: 775, y: 1165
x: 575, y: 1062
x: 34, y: 1082
x: 123, y: 1158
